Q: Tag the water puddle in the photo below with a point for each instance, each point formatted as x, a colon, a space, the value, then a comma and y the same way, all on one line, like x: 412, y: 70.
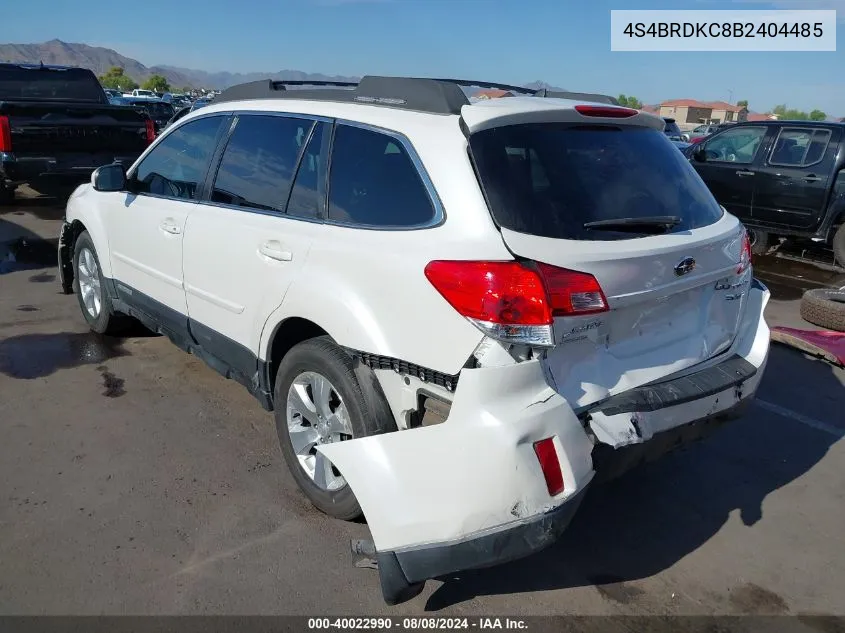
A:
x: 30, y: 356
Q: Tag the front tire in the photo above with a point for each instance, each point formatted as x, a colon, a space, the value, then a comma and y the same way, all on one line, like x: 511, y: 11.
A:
x: 90, y: 288
x: 318, y: 400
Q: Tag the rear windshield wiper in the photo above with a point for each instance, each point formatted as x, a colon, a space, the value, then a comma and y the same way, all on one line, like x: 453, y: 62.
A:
x: 656, y: 222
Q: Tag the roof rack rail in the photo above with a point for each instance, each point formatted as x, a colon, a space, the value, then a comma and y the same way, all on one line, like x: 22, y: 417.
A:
x: 576, y: 96
x: 437, y: 96
x: 426, y: 95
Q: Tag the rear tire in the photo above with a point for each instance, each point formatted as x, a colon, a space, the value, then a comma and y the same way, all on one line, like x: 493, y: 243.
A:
x: 839, y: 245
x: 90, y: 288
x: 347, y: 414
x: 824, y: 307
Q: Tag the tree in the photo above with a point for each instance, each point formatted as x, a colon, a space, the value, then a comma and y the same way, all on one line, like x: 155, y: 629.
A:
x: 742, y: 104
x: 791, y: 114
x: 116, y: 80
x: 817, y: 115
x: 630, y: 102
x: 157, y: 83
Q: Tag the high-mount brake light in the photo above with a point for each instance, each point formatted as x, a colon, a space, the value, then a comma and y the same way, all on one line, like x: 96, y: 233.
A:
x: 515, y: 302
x: 5, y: 134
x: 607, y: 112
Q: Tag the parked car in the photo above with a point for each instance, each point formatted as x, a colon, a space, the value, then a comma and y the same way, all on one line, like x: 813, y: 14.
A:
x: 454, y: 339
x: 673, y: 131
x: 200, y: 103
x: 159, y: 111
x: 781, y: 178
x: 57, y: 126
x: 703, y: 131
x: 111, y: 93
x: 140, y: 92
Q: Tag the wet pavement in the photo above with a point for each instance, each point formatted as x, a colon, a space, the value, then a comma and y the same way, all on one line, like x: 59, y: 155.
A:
x: 137, y: 480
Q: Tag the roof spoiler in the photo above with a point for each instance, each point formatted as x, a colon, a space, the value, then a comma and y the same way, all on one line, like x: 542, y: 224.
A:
x: 577, y: 96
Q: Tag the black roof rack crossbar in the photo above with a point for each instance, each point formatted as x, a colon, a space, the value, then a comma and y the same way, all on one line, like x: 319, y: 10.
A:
x: 576, y: 96
x: 426, y: 95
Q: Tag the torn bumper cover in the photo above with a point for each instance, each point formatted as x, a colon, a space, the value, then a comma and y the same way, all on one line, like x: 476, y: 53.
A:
x: 470, y: 492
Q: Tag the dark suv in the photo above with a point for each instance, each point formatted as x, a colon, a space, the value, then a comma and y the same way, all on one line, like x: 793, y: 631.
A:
x: 781, y: 178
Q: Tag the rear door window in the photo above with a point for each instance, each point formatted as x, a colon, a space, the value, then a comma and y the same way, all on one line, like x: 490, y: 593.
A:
x: 259, y: 161
x: 550, y: 179
x: 797, y: 147
x: 374, y: 182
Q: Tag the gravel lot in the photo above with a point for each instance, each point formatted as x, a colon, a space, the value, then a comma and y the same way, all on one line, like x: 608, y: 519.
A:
x: 136, y: 480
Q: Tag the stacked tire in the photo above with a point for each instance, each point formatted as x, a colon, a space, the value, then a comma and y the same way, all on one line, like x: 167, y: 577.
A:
x: 824, y: 307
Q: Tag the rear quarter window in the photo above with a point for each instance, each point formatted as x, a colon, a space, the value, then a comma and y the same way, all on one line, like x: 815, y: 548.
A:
x: 550, y: 179
x: 373, y: 181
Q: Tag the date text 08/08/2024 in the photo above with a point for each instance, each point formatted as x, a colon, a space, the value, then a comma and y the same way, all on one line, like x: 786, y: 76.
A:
x: 417, y: 623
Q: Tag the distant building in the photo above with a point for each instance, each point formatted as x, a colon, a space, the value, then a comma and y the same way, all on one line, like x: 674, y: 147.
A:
x: 651, y: 109
x: 693, y: 111
x: 727, y: 113
x: 493, y: 94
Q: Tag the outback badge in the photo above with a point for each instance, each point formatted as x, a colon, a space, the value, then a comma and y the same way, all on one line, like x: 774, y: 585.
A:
x: 686, y: 265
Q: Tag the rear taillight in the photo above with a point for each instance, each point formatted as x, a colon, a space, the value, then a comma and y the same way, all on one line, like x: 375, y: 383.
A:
x: 608, y: 112
x: 513, y: 301
x: 572, y: 293
x: 744, y: 254
x: 5, y: 135
x: 151, y: 131
x: 550, y: 465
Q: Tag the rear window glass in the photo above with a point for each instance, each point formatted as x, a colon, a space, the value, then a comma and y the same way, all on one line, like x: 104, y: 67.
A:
x: 44, y: 84
x: 550, y: 179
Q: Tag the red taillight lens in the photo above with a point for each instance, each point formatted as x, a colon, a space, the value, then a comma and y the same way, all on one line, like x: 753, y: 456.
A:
x: 494, y: 292
x: 5, y: 134
x: 572, y: 293
x: 745, y: 254
x: 608, y: 112
x: 514, y: 301
x: 151, y: 131
x: 550, y: 465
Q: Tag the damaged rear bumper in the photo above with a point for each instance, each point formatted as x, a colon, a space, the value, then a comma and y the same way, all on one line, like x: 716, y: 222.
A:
x: 470, y: 492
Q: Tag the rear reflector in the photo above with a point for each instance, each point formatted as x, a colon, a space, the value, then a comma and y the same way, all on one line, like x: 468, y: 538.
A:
x: 515, y: 302
x: 5, y: 134
x: 151, y: 131
x: 550, y: 465
x: 608, y: 112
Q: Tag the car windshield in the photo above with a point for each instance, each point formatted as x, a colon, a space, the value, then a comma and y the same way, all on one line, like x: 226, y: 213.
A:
x: 550, y: 179
x: 45, y: 84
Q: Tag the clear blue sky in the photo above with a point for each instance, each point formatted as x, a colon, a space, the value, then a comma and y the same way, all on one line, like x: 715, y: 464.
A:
x: 563, y: 42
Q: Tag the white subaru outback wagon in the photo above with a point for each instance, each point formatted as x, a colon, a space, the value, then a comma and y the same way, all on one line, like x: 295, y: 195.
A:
x: 459, y: 313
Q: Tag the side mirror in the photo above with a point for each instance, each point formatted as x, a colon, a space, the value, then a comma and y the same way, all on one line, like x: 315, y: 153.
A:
x: 699, y: 155
x: 109, y: 178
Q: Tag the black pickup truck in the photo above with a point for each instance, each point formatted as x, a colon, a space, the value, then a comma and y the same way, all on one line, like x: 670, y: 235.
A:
x: 57, y: 126
x: 781, y: 178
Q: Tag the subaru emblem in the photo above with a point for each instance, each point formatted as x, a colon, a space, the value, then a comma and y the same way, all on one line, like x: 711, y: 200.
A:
x: 686, y: 265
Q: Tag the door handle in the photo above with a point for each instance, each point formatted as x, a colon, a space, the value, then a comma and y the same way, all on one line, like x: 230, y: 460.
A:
x: 273, y: 250
x: 811, y: 178
x: 742, y: 173
x: 170, y: 226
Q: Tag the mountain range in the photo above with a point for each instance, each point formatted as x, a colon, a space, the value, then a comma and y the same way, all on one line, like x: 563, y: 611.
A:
x: 100, y: 60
